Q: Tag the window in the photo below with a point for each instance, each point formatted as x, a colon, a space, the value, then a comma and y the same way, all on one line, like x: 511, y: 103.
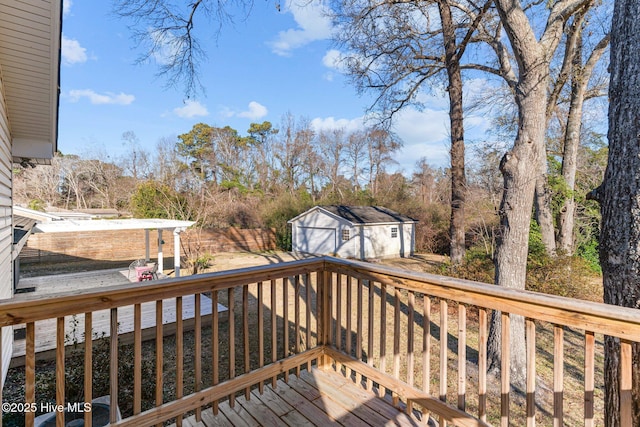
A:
x: 394, y: 232
x: 345, y: 235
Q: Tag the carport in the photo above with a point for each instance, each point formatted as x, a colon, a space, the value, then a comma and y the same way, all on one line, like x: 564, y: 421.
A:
x: 50, y: 224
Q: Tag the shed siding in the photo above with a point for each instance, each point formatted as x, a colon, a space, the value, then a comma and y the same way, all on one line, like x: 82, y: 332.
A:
x: 366, y: 241
x: 6, y: 240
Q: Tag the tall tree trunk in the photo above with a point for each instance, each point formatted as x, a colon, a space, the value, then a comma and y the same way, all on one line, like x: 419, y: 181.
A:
x: 619, y: 197
x: 580, y: 80
x: 544, y: 215
x: 517, y: 167
x: 566, y: 216
x: 458, y: 179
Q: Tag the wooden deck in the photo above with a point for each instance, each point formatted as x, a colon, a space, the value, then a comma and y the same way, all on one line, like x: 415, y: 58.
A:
x: 317, y: 398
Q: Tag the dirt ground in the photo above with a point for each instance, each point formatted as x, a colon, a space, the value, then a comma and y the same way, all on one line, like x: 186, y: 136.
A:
x: 229, y: 261
x: 223, y: 261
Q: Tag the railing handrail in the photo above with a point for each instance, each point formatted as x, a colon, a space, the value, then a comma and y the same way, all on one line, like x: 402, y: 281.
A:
x: 622, y: 322
x: 611, y: 320
x: 30, y: 308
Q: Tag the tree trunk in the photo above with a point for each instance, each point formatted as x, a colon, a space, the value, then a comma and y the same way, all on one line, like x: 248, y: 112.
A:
x: 619, y: 197
x: 458, y: 179
x: 544, y: 216
x: 517, y: 167
x: 566, y: 216
x: 580, y: 80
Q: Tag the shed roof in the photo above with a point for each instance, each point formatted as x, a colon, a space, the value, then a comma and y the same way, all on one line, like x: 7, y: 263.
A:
x: 363, y: 214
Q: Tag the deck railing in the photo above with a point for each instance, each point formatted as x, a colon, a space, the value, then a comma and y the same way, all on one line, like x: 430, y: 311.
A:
x: 418, y: 340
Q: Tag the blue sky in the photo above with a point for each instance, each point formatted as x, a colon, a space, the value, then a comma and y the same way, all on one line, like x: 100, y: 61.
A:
x: 258, y: 69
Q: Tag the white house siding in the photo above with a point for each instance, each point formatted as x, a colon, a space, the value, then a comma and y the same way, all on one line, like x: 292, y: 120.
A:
x: 6, y: 238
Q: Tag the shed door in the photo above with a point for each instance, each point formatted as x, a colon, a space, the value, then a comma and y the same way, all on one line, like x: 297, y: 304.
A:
x: 321, y: 241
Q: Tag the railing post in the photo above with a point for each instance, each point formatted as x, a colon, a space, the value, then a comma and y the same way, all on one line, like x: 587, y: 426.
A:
x: 626, y: 383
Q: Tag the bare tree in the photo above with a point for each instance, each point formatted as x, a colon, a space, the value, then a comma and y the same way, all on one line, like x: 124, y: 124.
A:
x: 168, y: 33
x: 38, y: 183
x: 381, y: 144
x: 520, y: 165
x: 332, y: 143
x: 397, y: 48
x: 356, y: 155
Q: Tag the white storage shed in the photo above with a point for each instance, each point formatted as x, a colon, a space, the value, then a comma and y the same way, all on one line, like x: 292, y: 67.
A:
x: 361, y: 232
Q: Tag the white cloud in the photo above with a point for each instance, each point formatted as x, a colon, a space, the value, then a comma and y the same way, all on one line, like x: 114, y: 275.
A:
x: 72, y: 52
x: 191, y: 109
x: 333, y: 59
x: 66, y: 7
x: 100, y: 99
x: 313, y: 24
x: 328, y: 123
x: 256, y: 111
x: 425, y: 134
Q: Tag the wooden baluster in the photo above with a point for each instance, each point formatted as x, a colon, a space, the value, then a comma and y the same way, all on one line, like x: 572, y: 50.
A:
x: 359, y: 330
x: 370, y: 331
x: 307, y: 288
x: 113, y: 366
x: 383, y: 335
x: 558, y: 376
x: 60, y: 370
x: 589, y: 377
x: 505, y: 369
x: 260, y: 332
x: 179, y: 356
x: 245, y: 336
x: 197, y: 363
x: 531, y: 372
x: 348, y: 315
x: 296, y: 297
x: 410, y: 337
x: 426, y: 350
x: 215, y: 342
x: 396, y: 342
x: 232, y: 341
x: 626, y: 383
x: 285, y: 322
x: 462, y: 357
x: 330, y: 333
x: 325, y: 283
x: 159, y: 356
x: 88, y: 365
x: 274, y: 331
x: 137, y: 359
x: 444, y: 338
x: 482, y: 364
x: 338, y: 317
x: 30, y: 371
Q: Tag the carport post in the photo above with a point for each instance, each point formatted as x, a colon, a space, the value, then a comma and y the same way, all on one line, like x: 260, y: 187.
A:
x: 176, y: 250
x: 160, y: 260
x: 146, y: 244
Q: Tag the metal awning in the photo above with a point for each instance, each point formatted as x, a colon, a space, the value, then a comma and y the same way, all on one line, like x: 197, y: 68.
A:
x: 68, y: 225
x: 76, y: 226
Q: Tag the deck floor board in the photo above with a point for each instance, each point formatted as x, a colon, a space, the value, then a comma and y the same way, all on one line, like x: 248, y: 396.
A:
x: 316, y: 398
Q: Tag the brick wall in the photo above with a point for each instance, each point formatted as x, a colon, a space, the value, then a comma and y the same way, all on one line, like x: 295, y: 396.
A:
x: 123, y: 245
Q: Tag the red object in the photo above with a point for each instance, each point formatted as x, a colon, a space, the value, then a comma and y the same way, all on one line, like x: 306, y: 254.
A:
x: 143, y: 273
